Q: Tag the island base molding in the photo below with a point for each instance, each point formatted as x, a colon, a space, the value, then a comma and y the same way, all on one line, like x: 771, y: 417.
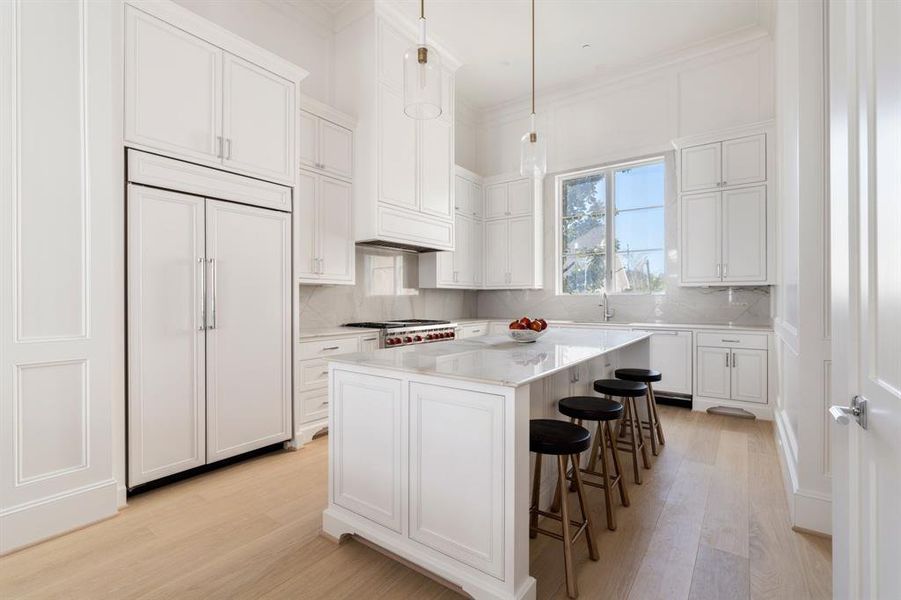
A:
x: 338, y: 523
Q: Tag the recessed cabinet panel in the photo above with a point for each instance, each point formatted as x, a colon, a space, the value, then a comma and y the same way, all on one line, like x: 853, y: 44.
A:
x: 671, y: 355
x: 520, y: 259
x: 749, y: 375
x: 173, y: 90
x: 700, y: 231
x: 496, y: 245
x: 744, y: 160
x: 462, y: 195
x: 305, y: 226
x: 519, y: 197
x: 436, y: 164
x: 335, y: 225
x: 397, y: 151
x: 308, y: 145
x: 701, y: 167
x: 714, y: 375
x: 744, y: 234
x: 476, y: 201
x: 336, y: 154
x: 391, y: 48
x: 258, y: 120
x: 496, y: 201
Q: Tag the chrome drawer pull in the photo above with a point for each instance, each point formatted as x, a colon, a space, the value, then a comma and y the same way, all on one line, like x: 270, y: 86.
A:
x: 329, y: 348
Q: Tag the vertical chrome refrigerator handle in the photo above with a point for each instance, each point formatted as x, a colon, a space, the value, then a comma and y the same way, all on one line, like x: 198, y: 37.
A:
x: 213, y: 286
x: 202, y: 264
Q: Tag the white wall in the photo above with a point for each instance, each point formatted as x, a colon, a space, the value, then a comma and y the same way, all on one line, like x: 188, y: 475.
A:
x: 300, y: 33
x: 465, y: 128
x: 802, y: 313
x: 606, y: 121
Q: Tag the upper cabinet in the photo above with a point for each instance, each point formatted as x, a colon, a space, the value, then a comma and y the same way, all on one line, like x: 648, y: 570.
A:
x: 189, y: 97
x: 404, y: 169
x: 325, y: 146
x: 513, y: 233
x: 726, y: 208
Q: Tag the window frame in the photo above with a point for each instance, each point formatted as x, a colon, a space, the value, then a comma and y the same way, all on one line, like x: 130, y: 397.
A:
x: 608, y: 170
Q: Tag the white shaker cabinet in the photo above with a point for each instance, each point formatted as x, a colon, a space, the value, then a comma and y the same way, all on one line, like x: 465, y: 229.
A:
x: 702, y: 167
x: 513, y: 233
x: 700, y: 230
x: 324, y: 246
x: 744, y: 234
x: 714, y: 376
x: 436, y: 139
x: 732, y: 366
x: 671, y: 352
x: 192, y: 95
x: 325, y: 146
x: 737, y: 161
x: 749, y: 375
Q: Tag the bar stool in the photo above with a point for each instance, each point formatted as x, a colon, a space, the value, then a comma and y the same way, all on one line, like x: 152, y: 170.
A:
x: 648, y: 376
x: 561, y: 439
x: 628, y: 391
x: 602, y: 411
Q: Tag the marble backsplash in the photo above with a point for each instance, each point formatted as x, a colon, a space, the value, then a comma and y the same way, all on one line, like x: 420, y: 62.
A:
x: 387, y: 288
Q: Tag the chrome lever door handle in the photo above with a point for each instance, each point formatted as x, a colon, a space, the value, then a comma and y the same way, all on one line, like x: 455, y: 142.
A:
x: 857, y: 411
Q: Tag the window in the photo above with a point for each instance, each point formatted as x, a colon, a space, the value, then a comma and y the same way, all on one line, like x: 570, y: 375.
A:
x: 623, y: 203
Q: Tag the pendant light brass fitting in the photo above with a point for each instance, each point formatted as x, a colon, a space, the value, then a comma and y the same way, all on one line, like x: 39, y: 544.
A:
x: 422, y: 55
x: 533, y: 137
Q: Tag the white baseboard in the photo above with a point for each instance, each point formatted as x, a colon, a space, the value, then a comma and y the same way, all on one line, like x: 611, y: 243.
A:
x: 31, y: 523
x: 808, y: 509
x: 305, y: 433
x: 761, y: 411
x: 121, y: 496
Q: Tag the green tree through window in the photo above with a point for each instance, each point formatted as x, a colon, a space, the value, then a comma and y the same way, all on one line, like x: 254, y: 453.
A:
x: 633, y: 195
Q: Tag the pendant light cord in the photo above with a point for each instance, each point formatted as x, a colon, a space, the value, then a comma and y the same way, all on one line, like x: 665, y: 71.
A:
x: 422, y: 9
x: 533, y: 56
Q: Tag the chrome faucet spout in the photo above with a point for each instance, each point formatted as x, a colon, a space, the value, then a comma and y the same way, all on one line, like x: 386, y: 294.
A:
x: 608, y: 312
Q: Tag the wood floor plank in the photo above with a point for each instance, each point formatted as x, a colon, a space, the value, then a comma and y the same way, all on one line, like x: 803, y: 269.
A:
x: 720, y: 575
x: 726, y: 517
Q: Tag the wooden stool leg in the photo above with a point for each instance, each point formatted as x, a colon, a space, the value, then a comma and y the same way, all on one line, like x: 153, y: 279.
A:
x: 536, y: 492
x: 608, y: 497
x: 593, y: 460
x: 555, y: 504
x: 583, y: 507
x: 636, y: 426
x: 620, y: 479
x: 652, y: 424
x: 660, y: 435
x: 575, y: 459
x: 633, y: 441
x: 571, y: 586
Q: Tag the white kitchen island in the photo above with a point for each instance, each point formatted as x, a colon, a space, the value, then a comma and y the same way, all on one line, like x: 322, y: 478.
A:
x: 429, y: 447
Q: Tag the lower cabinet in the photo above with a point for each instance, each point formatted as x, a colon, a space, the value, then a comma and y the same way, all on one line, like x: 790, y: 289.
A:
x: 736, y: 372
x: 470, y: 330
x: 311, y: 376
x: 671, y: 355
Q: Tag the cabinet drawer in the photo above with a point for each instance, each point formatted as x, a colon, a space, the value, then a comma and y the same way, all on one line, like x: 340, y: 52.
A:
x: 474, y: 330
x: 328, y: 347
x: 728, y: 339
x: 313, y: 406
x: 313, y: 374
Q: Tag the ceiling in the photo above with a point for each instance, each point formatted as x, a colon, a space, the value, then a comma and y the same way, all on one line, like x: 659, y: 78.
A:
x: 575, y: 38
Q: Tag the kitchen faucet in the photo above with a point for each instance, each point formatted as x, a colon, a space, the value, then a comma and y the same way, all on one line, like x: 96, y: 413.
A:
x: 608, y: 312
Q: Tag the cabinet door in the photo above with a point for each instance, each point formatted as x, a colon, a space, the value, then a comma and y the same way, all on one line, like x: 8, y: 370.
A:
x: 744, y: 234
x: 496, y: 253
x: 496, y: 201
x: 336, y: 149
x: 521, y: 259
x: 436, y: 167
x: 519, y: 197
x: 335, y: 230
x: 249, y: 341
x: 173, y: 89
x: 700, y: 231
x: 714, y: 372
x: 671, y: 355
x: 701, y: 167
x: 749, y: 376
x: 257, y: 121
x: 308, y: 145
x: 476, y: 200
x: 744, y: 160
x: 462, y: 251
x: 397, y: 151
x: 166, y: 342
x: 369, y: 343
x: 477, y: 256
x: 305, y: 226
x: 462, y: 198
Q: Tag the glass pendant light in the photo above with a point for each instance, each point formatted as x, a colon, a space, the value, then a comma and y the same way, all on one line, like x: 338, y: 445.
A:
x: 533, y: 148
x: 422, y: 77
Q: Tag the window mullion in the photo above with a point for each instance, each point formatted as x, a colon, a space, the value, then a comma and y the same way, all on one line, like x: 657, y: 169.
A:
x: 610, y: 232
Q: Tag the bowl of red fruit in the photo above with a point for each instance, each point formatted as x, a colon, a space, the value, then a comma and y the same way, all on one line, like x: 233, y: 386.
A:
x: 526, y: 330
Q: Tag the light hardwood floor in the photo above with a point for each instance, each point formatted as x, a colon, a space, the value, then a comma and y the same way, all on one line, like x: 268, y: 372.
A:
x: 709, y: 522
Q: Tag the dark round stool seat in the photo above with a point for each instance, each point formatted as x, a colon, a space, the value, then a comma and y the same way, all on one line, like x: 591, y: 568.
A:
x: 591, y: 408
x: 645, y: 375
x: 619, y: 387
x: 549, y: 436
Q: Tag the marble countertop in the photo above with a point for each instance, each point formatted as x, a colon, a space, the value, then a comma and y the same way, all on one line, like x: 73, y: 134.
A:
x: 308, y: 333
x: 653, y: 325
x: 497, y: 359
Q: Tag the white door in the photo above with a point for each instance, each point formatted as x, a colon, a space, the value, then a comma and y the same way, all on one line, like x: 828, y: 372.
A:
x: 496, y: 201
x: 166, y: 334
x: 249, y: 328
x: 496, y: 253
x: 744, y: 234
x: 671, y: 355
x: 519, y: 197
x: 257, y: 120
x: 749, y: 375
x: 335, y: 230
x: 520, y: 258
x: 436, y: 167
x: 308, y: 144
x: 397, y: 150
x: 744, y: 160
x: 714, y: 376
x: 462, y: 199
x: 336, y: 149
x: 700, y: 231
x: 865, y: 89
x: 306, y: 257
x: 173, y: 89
x: 701, y: 167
